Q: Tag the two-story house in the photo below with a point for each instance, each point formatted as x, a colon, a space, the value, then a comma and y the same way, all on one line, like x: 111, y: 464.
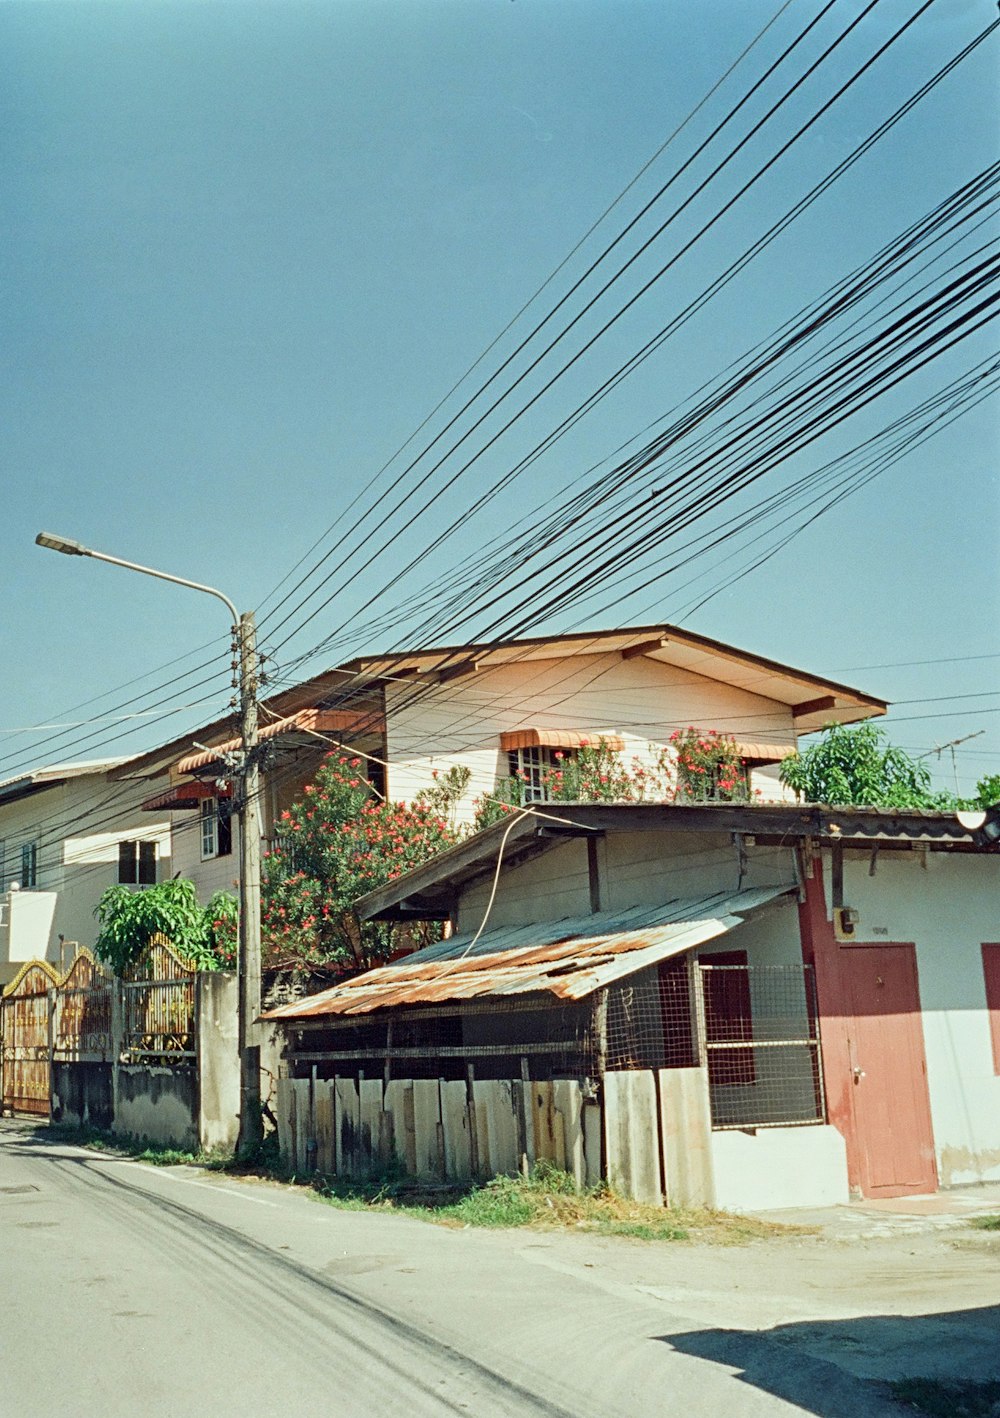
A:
x: 493, y: 710
x: 67, y: 832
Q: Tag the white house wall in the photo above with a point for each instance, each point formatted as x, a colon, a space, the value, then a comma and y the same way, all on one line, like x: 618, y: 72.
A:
x: 946, y: 904
x: 77, y: 827
x: 215, y: 873
x: 460, y: 722
x: 635, y: 869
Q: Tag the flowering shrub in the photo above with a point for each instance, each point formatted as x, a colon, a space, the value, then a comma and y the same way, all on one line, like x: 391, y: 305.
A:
x: 335, y: 844
x: 709, y: 767
x: 700, y: 765
x: 222, y: 917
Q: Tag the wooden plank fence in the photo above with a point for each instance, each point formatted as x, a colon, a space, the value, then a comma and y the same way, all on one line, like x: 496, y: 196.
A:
x: 438, y: 1130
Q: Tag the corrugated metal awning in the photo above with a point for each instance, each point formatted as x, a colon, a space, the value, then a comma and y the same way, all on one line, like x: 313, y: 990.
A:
x: 568, y: 959
x: 306, y: 721
x: 559, y: 738
x: 184, y: 795
x: 764, y: 752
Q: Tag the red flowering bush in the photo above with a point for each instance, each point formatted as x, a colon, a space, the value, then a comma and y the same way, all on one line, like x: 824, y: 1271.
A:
x: 699, y: 765
x: 335, y: 844
x: 709, y: 767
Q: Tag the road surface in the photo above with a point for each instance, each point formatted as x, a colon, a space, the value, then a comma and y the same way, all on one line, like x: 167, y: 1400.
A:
x: 133, y: 1290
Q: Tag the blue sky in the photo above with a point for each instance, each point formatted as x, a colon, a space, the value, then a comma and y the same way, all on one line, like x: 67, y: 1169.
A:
x: 249, y: 247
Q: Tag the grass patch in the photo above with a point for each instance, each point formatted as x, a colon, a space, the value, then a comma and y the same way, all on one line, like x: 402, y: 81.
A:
x: 141, y: 1148
x: 546, y: 1199
x: 985, y: 1223
x: 939, y: 1398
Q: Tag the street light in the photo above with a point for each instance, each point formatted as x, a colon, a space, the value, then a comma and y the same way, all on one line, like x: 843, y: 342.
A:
x: 248, y: 961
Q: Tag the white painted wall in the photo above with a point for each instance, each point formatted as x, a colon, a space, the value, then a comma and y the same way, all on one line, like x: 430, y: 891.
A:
x: 640, y: 699
x: 636, y: 869
x: 77, y: 827
x: 947, y: 908
x: 214, y: 874
x: 773, y: 1168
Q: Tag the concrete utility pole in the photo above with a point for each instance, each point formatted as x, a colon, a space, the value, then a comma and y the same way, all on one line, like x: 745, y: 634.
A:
x: 251, y: 1123
x: 248, y: 961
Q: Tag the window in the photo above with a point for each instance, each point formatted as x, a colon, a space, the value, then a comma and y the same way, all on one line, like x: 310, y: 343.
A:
x: 216, y: 829
x: 29, y: 866
x: 137, y: 863
x: 991, y: 973
x: 532, y: 764
x: 728, y: 1018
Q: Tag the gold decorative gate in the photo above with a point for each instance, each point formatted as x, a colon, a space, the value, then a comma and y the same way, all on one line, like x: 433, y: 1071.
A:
x: 24, y: 1030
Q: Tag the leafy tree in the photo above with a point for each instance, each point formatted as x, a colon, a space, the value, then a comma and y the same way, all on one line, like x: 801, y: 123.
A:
x: 205, y: 935
x: 335, y: 844
x: 856, y: 765
x: 988, y: 791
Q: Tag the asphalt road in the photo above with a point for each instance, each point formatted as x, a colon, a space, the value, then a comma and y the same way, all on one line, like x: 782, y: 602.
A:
x: 127, y: 1289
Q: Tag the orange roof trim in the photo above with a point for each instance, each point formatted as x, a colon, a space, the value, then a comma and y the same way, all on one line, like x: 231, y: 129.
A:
x: 558, y: 738
x: 317, y: 721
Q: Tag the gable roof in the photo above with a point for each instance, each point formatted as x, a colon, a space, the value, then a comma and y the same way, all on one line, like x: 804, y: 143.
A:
x: 25, y: 784
x: 813, y: 700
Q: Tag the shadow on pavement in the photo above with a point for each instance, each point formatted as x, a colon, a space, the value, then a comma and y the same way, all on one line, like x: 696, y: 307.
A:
x: 842, y: 1368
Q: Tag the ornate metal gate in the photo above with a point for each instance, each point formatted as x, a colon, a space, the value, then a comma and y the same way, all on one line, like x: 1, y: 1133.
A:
x: 24, y: 1030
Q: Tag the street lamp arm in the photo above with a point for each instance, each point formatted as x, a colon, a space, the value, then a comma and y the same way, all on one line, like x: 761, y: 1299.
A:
x: 71, y: 548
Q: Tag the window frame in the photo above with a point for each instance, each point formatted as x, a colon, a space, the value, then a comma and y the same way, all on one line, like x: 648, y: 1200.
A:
x: 29, y: 866
x: 529, y: 766
x: 215, y: 829
x: 991, y: 979
x: 137, y: 862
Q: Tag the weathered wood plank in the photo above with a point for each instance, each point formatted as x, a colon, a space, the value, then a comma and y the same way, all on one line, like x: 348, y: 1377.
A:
x: 567, y: 1100
x: 398, y: 1103
x: 370, y: 1122
x: 325, y: 1112
x: 303, y: 1121
x: 455, y: 1124
x: 593, y: 1136
x: 348, y: 1125
x: 631, y: 1133
x: 550, y: 1138
x: 283, y: 1107
x: 497, y: 1108
x: 686, y: 1136
x: 426, y: 1117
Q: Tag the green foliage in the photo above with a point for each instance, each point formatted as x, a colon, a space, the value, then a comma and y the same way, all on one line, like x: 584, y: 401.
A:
x: 856, y: 765
x: 700, y: 765
x: 986, y: 1223
x: 129, y: 920
x: 547, y: 1198
x: 988, y: 791
x: 222, y: 915
x: 448, y: 790
x: 709, y: 767
x: 336, y: 844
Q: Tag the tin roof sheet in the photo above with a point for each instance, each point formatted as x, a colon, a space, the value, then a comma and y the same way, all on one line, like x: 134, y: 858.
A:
x: 568, y: 959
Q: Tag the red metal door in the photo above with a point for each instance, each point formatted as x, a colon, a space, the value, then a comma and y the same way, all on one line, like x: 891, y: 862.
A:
x: 891, y: 1105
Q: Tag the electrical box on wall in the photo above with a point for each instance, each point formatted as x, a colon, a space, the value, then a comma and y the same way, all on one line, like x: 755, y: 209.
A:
x: 845, y: 922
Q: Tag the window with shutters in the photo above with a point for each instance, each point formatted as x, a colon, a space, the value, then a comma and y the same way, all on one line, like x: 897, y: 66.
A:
x: 136, y: 863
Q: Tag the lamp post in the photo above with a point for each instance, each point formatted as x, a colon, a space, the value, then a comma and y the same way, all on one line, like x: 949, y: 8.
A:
x: 248, y: 960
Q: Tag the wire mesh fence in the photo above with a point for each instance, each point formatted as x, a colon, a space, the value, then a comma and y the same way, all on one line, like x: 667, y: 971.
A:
x: 752, y: 1028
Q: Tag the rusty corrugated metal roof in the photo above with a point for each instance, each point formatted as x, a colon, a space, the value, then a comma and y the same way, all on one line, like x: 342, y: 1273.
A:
x: 568, y: 959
